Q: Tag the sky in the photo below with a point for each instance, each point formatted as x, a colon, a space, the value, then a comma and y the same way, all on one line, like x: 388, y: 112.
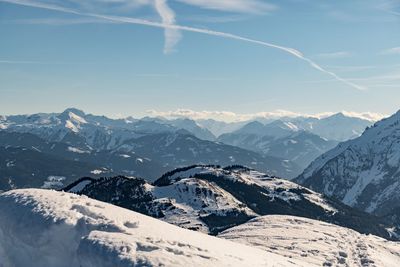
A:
x: 140, y: 57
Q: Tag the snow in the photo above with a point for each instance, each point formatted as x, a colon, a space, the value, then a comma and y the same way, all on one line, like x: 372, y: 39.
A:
x: 291, y: 126
x: 318, y: 200
x: 49, y: 228
x: 315, y: 243
x: 96, y: 172
x: 71, y: 126
x: 77, y: 150
x: 53, y: 182
x: 79, y: 186
x: 10, y: 163
x: 189, y: 173
x: 192, y: 199
x: 76, y: 118
x: 275, y: 185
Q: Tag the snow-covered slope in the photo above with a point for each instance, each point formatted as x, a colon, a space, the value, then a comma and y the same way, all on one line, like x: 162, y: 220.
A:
x: 364, y: 172
x: 211, y: 199
x: 48, y: 228
x: 315, y: 242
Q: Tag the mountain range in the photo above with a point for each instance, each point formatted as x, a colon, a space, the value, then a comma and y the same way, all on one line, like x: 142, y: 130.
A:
x: 279, y: 139
x: 149, y: 147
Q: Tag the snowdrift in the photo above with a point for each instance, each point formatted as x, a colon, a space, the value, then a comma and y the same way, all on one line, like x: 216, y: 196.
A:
x: 49, y: 228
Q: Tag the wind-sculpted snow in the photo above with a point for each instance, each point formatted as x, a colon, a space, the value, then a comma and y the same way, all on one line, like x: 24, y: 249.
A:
x: 315, y: 242
x: 49, y: 228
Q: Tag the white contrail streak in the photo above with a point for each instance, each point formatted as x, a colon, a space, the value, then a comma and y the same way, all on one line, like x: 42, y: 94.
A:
x: 137, y: 21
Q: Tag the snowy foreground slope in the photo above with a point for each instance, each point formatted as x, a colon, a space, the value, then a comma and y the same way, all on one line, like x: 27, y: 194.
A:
x: 315, y: 242
x: 49, y: 228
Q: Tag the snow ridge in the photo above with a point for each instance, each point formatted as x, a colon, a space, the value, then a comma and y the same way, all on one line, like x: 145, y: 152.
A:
x: 49, y: 228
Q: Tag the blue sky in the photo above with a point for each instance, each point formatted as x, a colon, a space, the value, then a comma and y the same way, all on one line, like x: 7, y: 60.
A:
x: 120, y: 57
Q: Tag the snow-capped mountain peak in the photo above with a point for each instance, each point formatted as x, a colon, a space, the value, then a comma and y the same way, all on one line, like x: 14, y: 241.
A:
x: 362, y: 172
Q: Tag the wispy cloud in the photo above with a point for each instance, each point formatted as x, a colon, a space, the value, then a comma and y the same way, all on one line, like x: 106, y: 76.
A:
x: 334, y: 55
x: 240, y: 6
x: 57, y: 21
x: 229, y: 116
x: 172, y: 36
x: 390, y: 6
x: 7, y: 61
x: 291, y: 51
x: 391, y: 51
x: 353, y: 68
x: 389, y: 79
x: 214, y: 19
x: 19, y: 62
x: 156, y: 75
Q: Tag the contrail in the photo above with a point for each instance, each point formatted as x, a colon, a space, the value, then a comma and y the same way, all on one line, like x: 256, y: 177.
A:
x: 137, y: 21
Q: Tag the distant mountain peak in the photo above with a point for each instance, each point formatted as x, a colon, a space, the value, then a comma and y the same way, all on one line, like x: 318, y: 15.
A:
x: 338, y: 115
x: 76, y: 111
x: 252, y: 127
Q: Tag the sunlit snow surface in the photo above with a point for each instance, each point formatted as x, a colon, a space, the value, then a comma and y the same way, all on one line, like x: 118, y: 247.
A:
x: 315, y: 242
x: 49, y: 228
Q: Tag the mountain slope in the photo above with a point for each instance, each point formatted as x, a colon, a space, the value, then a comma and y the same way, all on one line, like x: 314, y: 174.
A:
x: 315, y: 242
x: 211, y: 199
x: 363, y: 172
x: 182, y: 149
x: 220, y: 127
x: 48, y: 228
x: 190, y: 203
x: 279, y: 139
x: 192, y: 127
x: 23, y: 168
x: 127, y: 163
